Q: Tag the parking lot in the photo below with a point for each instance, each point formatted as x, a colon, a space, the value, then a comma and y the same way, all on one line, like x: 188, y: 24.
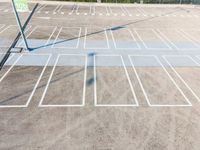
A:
x: 101, y: 76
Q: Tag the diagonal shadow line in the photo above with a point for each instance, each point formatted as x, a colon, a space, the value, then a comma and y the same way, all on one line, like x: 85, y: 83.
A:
x: 3, y: 61
x: 108, y: 29
x: 39, y: 87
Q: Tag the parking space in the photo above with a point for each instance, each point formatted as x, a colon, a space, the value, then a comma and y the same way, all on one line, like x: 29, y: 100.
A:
x: 123, y: 38
x: 66, y: 9
x: 67, y: 82
x: 112, y: 90
x: 35, y: 39
x: 151, y: 39
x: 193, y: 34
x: 84, y: 10
x: 67, y: 37
x: 178, y: 39
x: 96, y: 38
x: 74, y: 9
x: 101, y: 11
x: 155, y: 82
x: 116, y: 11
x: 17, y: 89
x: 6, y: 35
x: 181, y: 65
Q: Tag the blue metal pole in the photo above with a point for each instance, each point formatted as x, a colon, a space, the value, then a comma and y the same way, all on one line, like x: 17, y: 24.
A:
x: 20, y: 26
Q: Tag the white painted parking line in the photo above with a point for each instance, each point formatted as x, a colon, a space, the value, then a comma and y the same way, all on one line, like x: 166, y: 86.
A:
x: 116, y: 11
x: 16, y: 89
x: 73, y: 9
x: 123, y: 38
x: 187, y: 69
x: 123, y: 11
x: 76, y: 10
x: 107, y: 11
x: 1, y: 27
x: 192, y: 34
x: 21, y: 42
x: 6, y: 28
x: 66, y: 9
x: 151, y: 39
x: 156, y: 83
x: 90, y: 11
x: 110, y: 10
x: 127, y: 12
x: 68, y: 37
x: 64, y: 87
x: 177, y: 39
x: 111, y: 81
x: 59, y: 9
x: 133, y: 11
x: 141, y: 11
x: 96, y: 38
x: 93, y: 10
x: 41, y: 8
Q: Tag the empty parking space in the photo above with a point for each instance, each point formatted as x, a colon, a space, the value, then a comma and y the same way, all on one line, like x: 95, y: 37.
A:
x: 48, y: 9
x: 96, y: 38
x: 123, y: 38
x: 7, y: 35
x: 41, y: 7
x: 192, y: 34
x: 112, y: 82
x: 83, y: 10
x: 180, y: 12
x: 132, y: 11
x: 67, y: 37
x: 7, y: 66
x: 66, y: 84
x: 178, y: 39
x: 92, y: 10
x: 151, y: 39
x: 39, y: 36
x: 160, y: 11
x: 158, y: 86
x: 18, y: 84
x: 116, y: 11
x: 74, y: 9
x: 188, y: 70
x: 100, y: 10
x: 66, y: 9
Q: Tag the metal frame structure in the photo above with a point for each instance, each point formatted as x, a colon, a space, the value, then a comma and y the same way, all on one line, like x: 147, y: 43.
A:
x: 20, y: 26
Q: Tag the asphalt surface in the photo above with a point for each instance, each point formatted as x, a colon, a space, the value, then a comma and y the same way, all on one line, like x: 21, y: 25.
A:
x: 101, y: 77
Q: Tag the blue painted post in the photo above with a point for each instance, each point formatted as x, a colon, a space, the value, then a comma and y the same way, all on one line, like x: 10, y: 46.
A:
x: 20, y: 26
